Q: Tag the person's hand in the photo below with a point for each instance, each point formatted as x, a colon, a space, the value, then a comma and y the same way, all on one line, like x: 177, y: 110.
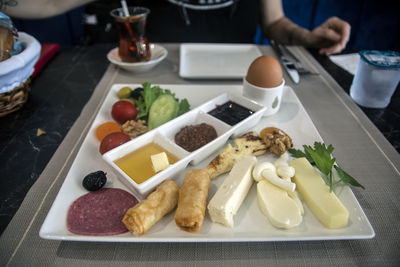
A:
x: 331, y: 37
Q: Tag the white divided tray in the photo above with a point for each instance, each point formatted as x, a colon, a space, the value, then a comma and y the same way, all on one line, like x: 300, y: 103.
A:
x: 164, y: 136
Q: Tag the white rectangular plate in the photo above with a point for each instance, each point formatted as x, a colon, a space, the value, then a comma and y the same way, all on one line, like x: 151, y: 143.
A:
x: 216, y: 61
x: 250, y: 223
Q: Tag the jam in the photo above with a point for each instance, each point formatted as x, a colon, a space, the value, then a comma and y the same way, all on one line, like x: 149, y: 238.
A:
x: 231, y: 113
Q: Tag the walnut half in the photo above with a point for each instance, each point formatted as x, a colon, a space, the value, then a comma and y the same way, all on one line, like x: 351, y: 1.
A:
x: 277, y: 141
x: 134, y: 128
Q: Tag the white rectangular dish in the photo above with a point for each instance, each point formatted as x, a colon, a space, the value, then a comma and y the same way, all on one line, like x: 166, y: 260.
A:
x: 164, y: 136
x: 250, y: 223
x: 216, y: 61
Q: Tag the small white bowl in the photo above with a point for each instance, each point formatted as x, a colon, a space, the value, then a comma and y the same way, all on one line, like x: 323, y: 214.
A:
x: 158, y: 53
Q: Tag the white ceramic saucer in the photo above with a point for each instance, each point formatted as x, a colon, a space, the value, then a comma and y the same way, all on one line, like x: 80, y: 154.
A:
x: 158, y: 53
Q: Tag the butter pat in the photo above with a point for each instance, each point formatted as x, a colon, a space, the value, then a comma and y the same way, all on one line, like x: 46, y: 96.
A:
x: 229, y: 197
x: 324, y: 204
x: 160, y: 161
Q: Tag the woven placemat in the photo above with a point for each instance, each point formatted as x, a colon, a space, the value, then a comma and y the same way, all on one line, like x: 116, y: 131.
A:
x: 360, y: 148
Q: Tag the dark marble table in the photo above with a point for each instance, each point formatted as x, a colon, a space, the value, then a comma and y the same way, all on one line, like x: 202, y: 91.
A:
x: 57, y: 97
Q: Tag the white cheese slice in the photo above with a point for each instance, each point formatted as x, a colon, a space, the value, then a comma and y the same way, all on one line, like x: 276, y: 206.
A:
x: 229, y: 197
x: 295, y: 196
x: 324, y: 204
x: 281, y: 210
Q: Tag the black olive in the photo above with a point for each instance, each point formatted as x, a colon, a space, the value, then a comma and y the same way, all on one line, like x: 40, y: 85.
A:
x: 136, y: 93
x: 94, y: 181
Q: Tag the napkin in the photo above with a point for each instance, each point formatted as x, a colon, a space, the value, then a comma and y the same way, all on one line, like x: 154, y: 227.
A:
x: 17, y: 69
x: 349, y: 62
x: 47, y: 52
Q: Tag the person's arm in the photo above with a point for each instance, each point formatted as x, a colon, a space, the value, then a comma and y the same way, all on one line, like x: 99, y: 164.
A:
x: 330, y: 37
x: 38, y: 9
x: 279, y: 28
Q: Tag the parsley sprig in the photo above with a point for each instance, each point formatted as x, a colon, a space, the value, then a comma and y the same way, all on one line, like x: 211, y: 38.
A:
x: 321, y: 157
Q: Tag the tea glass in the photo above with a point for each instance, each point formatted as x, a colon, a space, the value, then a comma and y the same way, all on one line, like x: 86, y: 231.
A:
x: 133, y: 43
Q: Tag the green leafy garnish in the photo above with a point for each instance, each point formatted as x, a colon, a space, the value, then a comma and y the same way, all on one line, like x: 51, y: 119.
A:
x: 150, y: 93
x: 148, y: 96
x: 321, y: 157
x: 300, y: 154
x: 184, y: 106
x: 347, y: 178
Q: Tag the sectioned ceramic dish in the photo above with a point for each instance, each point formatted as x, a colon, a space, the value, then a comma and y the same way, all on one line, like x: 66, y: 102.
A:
x: 158, y: 53
x: 164, y: 136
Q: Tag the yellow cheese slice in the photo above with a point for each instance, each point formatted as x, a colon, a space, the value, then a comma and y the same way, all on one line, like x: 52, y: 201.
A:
x: 324, y: 204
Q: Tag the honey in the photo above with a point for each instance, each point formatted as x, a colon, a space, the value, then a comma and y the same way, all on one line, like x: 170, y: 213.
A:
x: 137, y: 164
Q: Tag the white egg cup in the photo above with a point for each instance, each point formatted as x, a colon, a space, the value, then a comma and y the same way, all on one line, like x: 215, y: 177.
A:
x: 268, y: 97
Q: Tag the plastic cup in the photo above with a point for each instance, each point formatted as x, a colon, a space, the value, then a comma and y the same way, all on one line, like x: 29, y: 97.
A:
x: 133, y: 43
x: 376, y: 79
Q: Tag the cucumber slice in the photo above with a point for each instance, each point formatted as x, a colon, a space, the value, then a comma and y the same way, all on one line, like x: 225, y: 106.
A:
x: 163, y: 109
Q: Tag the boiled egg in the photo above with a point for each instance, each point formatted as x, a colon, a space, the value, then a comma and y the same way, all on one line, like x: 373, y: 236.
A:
x: 265, y: 71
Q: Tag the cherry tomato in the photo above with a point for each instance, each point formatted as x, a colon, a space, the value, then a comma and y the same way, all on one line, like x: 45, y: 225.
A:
x: 123, y: 111
x: 112, y: 141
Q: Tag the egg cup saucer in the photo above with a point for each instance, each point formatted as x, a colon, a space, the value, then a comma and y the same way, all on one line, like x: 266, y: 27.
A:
x: 158, y: 53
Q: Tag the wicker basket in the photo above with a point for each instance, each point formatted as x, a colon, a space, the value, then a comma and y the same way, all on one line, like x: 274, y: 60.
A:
x: 14, y: 100
x: 17, y: 70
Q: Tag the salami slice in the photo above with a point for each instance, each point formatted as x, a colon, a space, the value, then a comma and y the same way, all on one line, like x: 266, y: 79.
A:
x: 100, y: 213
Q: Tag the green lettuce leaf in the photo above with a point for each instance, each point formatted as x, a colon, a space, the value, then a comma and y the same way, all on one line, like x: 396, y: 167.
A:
x: 150, y: 93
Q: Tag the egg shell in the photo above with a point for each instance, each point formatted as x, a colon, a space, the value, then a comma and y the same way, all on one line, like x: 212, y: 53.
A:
x: 265, y: 71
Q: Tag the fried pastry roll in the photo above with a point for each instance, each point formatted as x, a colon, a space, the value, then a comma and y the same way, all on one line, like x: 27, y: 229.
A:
x: 192, y: 203
x: 141, y: 217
